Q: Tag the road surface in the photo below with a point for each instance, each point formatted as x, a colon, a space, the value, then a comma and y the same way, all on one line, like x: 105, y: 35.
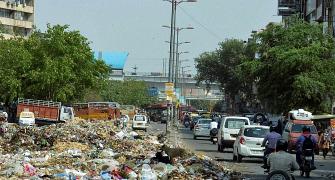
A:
x: 250, y: 167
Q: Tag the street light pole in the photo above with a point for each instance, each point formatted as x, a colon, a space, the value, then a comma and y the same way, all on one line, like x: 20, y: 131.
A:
x: 174, y: 4
x: 177, y: 53
x: 171, y: 58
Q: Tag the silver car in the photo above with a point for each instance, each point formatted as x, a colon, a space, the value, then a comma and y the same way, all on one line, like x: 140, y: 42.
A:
x: 202, y: 128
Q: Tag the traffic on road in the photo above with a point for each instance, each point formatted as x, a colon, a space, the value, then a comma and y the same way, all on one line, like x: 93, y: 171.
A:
x: 246, y: 145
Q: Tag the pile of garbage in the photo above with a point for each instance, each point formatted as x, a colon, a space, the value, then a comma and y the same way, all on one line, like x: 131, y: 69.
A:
x: 97, y: 150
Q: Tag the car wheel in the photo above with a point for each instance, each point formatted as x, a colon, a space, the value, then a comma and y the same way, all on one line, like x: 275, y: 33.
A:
x: 239, y: 157
x: 222, y: 147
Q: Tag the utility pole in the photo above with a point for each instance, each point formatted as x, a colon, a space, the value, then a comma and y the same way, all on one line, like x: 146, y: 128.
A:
x: 171, y: 58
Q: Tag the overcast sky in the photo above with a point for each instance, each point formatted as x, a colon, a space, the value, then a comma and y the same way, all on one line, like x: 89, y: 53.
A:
x: 135, y: 26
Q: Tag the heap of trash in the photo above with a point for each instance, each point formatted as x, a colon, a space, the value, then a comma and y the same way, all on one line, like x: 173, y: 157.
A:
x: 97, y: 150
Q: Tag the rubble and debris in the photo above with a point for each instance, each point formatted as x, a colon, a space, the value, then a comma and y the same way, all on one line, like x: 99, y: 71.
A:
x: 97, y: 150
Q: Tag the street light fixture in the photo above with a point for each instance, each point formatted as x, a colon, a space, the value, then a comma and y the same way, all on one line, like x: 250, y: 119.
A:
x: 183, y: 52
x: 185, y: 42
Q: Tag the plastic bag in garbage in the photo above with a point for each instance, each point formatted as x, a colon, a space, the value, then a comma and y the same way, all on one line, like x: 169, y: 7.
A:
x: 147, y: 173
x: 107, y: 153
x: 74, y: 152
x: 120, y: 135
x: 161, y: 170
x: 29, y: 169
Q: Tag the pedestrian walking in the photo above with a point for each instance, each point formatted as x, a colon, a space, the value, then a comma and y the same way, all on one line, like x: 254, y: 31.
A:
x: 324, y: 143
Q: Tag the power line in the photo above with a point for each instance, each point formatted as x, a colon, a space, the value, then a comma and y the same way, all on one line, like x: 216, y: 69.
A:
x: 199, y: 23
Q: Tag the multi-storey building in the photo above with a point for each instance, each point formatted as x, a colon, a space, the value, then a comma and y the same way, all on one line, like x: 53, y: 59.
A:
x: 313, y: 11
x: 16, y: 17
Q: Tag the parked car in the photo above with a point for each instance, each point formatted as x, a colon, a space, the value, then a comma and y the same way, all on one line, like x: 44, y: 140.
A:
x: 293, y: 130
x: 202, y: 128
x: 27, y: 118
x: 194, y: 121
x: 229, y: 128
x: 140, y: 122
x: 248, y: 142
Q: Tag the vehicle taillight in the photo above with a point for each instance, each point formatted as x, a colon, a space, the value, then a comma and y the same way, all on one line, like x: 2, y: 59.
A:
x: 242, y: 140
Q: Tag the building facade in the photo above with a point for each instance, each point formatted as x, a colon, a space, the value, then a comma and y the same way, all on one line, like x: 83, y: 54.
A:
x: 313, y: 11
x: 16, y: 17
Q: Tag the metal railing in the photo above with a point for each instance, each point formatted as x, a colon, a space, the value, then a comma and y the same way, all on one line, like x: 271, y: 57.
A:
x: 39, y: 102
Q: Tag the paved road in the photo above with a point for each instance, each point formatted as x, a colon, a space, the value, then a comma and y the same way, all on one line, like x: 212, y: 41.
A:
x: 251, y: 167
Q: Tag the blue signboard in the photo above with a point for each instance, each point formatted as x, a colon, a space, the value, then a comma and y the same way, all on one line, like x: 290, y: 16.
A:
x: 153, y: 91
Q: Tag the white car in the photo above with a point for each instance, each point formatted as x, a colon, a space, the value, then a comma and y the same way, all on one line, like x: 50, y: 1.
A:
x: 248, y: 142
x: 27, y: 119
x: 140, y: 122
x: 202, y: 128
x: 229, y: 128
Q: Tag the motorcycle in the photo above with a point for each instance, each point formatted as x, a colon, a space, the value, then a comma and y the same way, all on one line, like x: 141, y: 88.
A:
x: 279, y: 174
x: 306, y: 166
x: 214, y: 135
x: 186, y: 123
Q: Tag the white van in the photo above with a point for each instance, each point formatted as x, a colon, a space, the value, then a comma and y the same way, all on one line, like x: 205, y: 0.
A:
x: 27, y: 118
x: 228, y: 131
x: 140, y: 122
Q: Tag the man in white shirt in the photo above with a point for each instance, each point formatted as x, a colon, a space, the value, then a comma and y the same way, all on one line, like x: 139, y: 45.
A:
x: 214, y: 124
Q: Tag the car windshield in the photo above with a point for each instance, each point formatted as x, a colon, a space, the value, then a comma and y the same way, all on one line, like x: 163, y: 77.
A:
x: 234, y: 123
x: 204, y: 121
x: 256, y: 132
x: 297, y: 128
x: 139, y: 118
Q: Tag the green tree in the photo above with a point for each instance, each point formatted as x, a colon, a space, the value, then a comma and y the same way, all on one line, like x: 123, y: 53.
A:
x: 223, y: 66
x: 296, y: 67
x: 64, y: 66
x: 15, y: 64
x: 127, y: 92
x: 55, y: 65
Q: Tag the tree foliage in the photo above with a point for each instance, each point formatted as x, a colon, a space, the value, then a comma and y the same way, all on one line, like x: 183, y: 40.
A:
x: 296, y: 68
x: 224, y: 66
x: 55, y: 65
x: 127, y: 92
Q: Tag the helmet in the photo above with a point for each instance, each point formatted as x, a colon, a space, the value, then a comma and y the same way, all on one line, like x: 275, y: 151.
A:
x: 306, y: 129
x: 281, y: 145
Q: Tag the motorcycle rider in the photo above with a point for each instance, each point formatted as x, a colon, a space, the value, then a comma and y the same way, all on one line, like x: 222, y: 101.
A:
x: 281, y: 160
x: 271, y: 138
x: 213, y: 128
x: 187, y: 120
x: 306, y: 133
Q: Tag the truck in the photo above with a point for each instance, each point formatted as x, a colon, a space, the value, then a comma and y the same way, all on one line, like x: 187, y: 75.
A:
x: 97, y: 110
x: 45, y: 112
